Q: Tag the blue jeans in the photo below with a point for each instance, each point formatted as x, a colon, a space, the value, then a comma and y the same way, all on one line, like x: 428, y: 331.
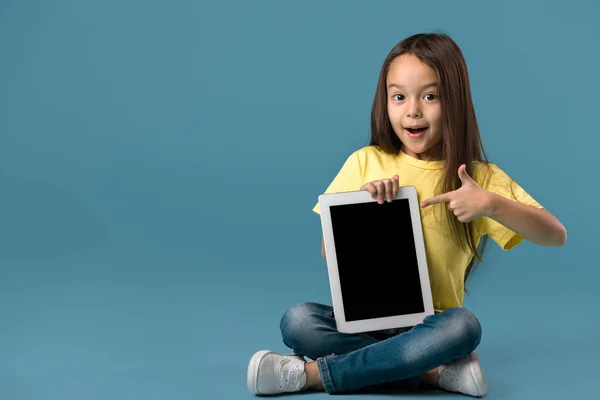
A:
x: 388, y: 358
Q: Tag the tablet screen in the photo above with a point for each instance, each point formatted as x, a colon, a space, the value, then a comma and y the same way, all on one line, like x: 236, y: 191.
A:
x: 377, y: 260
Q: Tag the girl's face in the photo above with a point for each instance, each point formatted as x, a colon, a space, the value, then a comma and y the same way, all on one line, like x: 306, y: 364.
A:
x: 414, y: 108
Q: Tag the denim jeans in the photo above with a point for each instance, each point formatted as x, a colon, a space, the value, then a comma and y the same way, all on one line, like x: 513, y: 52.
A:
x: 393, y: 357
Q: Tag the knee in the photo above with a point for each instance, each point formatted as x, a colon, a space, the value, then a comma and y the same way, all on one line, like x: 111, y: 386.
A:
x: 296, y: 324
x: 464, y: 328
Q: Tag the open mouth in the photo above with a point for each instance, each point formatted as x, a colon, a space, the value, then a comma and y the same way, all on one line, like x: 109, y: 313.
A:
x: 415, y: 132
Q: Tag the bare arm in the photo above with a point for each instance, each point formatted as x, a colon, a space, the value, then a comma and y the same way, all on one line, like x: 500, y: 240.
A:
x: 536, y: 225
x: 470, y: 201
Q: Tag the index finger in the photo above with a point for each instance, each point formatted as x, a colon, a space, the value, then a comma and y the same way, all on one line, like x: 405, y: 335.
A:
x: 369, y: 187
x: 442, y: 198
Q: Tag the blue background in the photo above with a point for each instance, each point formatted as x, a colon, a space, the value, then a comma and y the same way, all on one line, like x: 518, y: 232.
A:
x: 159, y: 162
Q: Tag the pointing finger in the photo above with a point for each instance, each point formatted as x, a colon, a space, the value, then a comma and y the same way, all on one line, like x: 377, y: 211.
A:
x: 442, y: 198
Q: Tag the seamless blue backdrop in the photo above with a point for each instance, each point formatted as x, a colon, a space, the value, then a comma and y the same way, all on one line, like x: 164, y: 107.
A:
x: 159, y: 162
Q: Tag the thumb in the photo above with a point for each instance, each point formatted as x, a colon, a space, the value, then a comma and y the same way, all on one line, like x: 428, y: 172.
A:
x: 463, y: 175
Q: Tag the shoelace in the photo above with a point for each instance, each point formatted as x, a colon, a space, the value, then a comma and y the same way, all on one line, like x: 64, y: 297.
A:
x: 285, y: 376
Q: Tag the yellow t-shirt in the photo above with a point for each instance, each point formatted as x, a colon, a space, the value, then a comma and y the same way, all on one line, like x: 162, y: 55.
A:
x: 446, y: 259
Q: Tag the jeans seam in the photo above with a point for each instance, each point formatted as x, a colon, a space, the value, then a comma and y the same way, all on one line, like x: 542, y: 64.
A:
x: 325, y: 375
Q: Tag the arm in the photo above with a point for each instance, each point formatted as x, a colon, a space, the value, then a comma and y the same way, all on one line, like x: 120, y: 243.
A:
x: 536, y: 225
x: 470, y: 201
x: 323, y: 247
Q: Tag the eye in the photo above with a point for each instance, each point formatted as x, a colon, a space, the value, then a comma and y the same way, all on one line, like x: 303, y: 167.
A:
x: 431, y: 96
x: 396, y: 97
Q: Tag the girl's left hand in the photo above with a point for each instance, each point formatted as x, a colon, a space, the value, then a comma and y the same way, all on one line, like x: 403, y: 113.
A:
x: 468, y: 202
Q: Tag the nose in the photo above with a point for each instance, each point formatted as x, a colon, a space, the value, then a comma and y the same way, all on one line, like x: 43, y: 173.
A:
x: 413, y: 110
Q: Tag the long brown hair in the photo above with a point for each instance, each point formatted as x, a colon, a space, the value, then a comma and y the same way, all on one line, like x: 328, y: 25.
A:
x: 461, y: 142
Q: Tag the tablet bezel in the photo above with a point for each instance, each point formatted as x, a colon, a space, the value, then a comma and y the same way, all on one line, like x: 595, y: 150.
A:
x: 374, y: 324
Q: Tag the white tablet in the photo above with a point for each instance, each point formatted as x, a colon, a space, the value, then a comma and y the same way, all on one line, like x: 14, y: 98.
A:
x: 376, y: 260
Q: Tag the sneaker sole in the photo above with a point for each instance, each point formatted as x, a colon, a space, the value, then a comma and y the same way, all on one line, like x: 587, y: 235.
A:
x: 252, y: 374
x: 477, y: 374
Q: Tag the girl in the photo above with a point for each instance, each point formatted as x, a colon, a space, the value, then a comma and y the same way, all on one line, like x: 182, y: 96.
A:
x: 424, y: 133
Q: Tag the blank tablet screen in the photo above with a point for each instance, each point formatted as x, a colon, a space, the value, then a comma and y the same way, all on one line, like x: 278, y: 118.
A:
x: 377, y: 260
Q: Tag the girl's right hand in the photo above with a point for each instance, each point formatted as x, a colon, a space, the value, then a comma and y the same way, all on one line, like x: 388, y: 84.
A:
x: 384, y: 189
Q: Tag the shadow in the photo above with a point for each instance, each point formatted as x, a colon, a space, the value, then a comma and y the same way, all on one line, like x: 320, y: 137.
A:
x: 391, y: 390
x: 379, y: 390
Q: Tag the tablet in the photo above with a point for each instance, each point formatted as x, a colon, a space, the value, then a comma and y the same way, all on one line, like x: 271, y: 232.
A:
x: 376, y: 260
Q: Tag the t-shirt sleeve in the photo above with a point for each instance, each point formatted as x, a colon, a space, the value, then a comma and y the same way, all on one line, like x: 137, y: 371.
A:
x: 348, y: 178
x: 501, y: 183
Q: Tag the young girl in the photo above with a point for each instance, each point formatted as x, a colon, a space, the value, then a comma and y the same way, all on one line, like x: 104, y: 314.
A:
x: 424, y: 133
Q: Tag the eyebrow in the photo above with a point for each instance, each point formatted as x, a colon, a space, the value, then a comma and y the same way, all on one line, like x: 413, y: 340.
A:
x: 428, y: 85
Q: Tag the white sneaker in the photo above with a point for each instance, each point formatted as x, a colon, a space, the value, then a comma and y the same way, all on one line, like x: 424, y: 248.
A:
x: 273, y: 373
x: 464, y: 376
